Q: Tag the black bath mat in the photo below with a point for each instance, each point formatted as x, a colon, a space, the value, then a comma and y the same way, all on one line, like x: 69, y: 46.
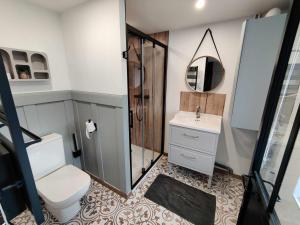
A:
x: 190, y: 203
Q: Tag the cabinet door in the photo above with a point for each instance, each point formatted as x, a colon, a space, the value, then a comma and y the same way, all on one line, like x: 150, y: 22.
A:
x: 262, y: 38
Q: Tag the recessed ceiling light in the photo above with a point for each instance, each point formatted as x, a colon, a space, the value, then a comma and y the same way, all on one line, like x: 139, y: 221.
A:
x: 200, y: 4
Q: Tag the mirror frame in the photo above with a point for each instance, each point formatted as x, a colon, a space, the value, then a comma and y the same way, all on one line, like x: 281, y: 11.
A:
x: 185, y: 76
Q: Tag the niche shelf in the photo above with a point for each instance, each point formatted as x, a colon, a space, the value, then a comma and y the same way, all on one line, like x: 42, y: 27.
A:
x: 39, y: 62
x: 39, y: 66
x: 23, y: 71
x: 20, y: 57
x: 7, y: 64
x: 22, y: 65
x: 41, y: 75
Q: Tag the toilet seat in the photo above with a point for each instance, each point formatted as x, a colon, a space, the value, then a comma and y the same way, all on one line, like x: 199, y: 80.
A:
x: 64, y: 186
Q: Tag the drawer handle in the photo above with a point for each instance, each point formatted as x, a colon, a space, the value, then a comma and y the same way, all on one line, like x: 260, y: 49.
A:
x: 188, y: 157
x: 190, y: 136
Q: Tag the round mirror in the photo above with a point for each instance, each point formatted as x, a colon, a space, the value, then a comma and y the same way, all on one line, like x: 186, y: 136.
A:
x: 204, y: 74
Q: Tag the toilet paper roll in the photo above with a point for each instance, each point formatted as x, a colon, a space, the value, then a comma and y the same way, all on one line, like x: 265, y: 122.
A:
x: 90, y: 128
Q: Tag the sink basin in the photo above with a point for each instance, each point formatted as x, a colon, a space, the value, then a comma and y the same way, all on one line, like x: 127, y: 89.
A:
x: 206, y: 122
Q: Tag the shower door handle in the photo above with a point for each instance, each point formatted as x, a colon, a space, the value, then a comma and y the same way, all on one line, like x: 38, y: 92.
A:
x: 130, y: 119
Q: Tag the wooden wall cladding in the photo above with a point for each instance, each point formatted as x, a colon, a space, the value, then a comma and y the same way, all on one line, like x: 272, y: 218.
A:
x: 163, y: 37
x: 209, y: 103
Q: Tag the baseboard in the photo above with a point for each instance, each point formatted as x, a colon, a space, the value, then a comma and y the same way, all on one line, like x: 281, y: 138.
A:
x: 109, y: 186
x: 230, y: 174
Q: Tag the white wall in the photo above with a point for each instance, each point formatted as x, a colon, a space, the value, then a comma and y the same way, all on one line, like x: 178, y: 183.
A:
x: 236, y: 145
x: 94, y: 35
x: 29, y: 27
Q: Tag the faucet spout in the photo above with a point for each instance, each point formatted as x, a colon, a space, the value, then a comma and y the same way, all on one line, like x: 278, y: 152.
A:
x: 198, y: 112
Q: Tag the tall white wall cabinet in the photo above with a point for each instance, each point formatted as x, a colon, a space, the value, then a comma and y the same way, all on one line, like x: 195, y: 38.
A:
x: 260, y: 45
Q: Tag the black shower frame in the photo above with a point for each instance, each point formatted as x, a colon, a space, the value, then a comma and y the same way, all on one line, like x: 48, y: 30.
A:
x: 268, y: 201
x: 143, y: 36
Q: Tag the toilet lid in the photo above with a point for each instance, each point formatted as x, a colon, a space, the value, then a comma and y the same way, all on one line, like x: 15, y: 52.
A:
x: 64, y: 186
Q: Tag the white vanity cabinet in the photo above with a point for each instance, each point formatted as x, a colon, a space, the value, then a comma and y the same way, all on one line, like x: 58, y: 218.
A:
x: 193, y: 142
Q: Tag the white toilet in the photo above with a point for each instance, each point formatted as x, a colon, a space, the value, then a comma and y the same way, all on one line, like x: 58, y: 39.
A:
x: 61, y: 186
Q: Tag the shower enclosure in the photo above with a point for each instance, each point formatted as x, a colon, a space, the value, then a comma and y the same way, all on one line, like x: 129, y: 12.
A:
x: 147, y: 59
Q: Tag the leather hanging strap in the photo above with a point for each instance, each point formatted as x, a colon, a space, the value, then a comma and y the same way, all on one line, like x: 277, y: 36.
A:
x: 213, y: 40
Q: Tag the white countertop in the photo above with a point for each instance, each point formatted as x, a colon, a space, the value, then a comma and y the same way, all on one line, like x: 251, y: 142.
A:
x: 206, y: 122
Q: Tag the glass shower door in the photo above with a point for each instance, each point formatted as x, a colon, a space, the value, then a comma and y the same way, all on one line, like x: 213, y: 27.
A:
x: 148, y: 101
x: 158, y: 87
x: 284, y: 119
x: 146, y: 88
x: 135, y: 89
x: 272, y: 193
x: 153, y: 101
x: 287, y: 205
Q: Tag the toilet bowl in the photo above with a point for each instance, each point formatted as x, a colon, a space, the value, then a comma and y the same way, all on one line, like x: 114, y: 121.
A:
x: 61, y: 186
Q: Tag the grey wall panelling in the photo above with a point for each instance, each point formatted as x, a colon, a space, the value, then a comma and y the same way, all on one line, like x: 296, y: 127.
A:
x: 21, y: 117
x: 49, y: 112
x: 89, y: 150
x: 52, y: 117
x: 32, y: 118
x: 70, y: 116
x: 122, y: 123
x: 106, y: 154
x: 110, y: 144
x: 41, y: 97
x: 261, y: 41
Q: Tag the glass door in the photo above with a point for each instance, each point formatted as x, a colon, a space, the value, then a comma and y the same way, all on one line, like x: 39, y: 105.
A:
x: 283, y: 120
x: 153, y: 101
x: 148, y: 102
x: 158, y: 90
x: 136, y: 104
x: 288, y: 206
x: 272, y: 194
x: 146, y: 93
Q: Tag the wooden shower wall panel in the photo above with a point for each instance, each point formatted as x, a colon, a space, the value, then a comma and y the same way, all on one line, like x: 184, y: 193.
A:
x: 148, y: 92
x: 157, y: 80
x: 162, y: 37
x: 158, y: 95
x: 209, y: 103
x: 134, y: 87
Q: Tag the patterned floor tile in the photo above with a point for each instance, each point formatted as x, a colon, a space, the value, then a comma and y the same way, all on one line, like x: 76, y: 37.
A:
x: 101, y: 206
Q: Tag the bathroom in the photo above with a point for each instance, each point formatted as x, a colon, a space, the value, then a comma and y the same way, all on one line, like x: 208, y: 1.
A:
x: 133, y: 112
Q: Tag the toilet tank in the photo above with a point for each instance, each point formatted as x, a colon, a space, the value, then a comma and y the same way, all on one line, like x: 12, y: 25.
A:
x: 46, y: 156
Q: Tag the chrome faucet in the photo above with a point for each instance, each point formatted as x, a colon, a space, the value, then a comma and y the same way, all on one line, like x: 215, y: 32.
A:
x: 198, y: 112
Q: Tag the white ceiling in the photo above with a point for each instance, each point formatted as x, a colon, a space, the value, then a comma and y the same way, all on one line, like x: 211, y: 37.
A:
x: 57, y: 5
x: 152, y: 16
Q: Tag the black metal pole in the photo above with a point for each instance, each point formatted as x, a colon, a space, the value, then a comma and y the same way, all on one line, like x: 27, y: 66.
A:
x: 20, y: 152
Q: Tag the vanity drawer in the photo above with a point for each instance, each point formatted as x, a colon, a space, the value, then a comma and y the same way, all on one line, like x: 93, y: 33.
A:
x: 197, y: 140
x: 194, y: 160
